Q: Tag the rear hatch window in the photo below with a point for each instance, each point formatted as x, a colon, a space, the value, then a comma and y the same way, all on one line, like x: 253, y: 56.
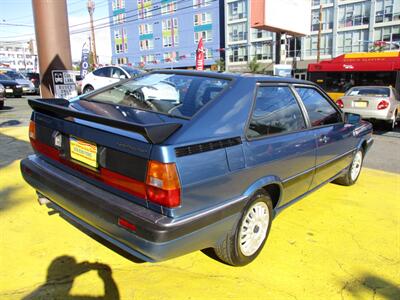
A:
x: 172, y: 94
x: 369, y: 91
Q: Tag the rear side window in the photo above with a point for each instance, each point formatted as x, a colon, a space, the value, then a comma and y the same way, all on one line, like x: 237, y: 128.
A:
x: 319, y: 109
x: 276, y: 111
x: 172, y: 94
x: 102, y: 72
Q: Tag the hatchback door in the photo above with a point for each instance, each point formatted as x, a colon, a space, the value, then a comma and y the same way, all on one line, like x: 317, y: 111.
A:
x: 278, y: 142
x: 335, y: 141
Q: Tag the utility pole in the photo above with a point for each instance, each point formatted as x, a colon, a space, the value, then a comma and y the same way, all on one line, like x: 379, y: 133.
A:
x: 52, y: 38
x: 319, y: 34
x: 90, y: 7
x: 278, y: 38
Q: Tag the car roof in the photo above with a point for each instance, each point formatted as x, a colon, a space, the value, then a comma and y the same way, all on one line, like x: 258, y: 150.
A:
x: 227, y: 75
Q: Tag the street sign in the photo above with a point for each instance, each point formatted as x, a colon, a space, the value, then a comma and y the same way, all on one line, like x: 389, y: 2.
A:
x: 64, y: 84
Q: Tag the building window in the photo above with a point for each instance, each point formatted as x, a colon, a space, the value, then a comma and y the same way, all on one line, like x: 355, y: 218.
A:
x: 237, y: 10
x: 327, y: 19
x: 208, y: 54
x: 354, y: 14
x: 388, y: 34
x: 144, y: 9
x: 321, y: 2
x: 119, y: 19
x: 311, y: 45
x: 237, y: 32
x: 118, y: 4
x: 238, y: 54
x: 202, y: 19
x: 261, y: 34
x: 122, y: 60
x: 170, y: 32
x: 206, y: 34
x: 167, y: 24
x: 146, y: 44
x: 387, y: 10
x: 170, y: 40
x: 262, y: 51
x: 150, y: 58
x: 171, y: 56
x: 121, y: 41
x: 168, y: 7
x: 352, y: 41
x: 145, y: 29
x: 201, y: 3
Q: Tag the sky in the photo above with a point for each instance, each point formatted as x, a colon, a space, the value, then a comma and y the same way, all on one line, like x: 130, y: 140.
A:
x: 19, y: 14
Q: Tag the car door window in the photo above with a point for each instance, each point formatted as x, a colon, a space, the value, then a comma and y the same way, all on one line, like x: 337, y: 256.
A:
x: 102, y: 72
x: 319, y: 109
x: 117, y: 73
x: 276, y: 111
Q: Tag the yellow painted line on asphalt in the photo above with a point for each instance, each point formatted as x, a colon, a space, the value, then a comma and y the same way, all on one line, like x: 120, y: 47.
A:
x: 338, y: 243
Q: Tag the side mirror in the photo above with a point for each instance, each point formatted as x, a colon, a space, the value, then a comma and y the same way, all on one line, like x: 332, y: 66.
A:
x: 350, y: 118
x: 122, y: 76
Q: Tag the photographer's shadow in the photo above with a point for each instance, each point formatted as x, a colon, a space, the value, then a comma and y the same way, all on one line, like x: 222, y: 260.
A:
x: 60, y: 278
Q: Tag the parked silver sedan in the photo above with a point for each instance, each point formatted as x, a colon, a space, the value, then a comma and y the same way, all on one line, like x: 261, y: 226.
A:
x: 372, y: 103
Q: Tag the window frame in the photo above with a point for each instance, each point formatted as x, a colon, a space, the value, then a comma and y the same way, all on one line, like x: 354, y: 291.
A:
x: 253, y: 105
x: 324, y: 95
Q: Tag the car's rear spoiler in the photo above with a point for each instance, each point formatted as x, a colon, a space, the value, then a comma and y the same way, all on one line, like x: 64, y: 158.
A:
x: 154, y: 133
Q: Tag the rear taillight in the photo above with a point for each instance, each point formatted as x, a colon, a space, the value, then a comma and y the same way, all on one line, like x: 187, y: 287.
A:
x: 383, y: 105
x: 339, y: 103
x: 163, y: 186
x: 32, y: 130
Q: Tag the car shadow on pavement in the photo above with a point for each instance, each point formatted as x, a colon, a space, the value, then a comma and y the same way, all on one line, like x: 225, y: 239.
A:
x: 61, y: 274
x: 379, y: 286
x: 6, y: 108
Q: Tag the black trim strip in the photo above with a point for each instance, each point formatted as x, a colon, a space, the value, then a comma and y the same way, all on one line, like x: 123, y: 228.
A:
x: 154, y: 133
x: 205, y: 147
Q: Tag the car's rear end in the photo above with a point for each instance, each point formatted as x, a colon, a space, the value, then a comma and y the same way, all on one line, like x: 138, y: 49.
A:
x: 106, y: 166
x: 372, y: 103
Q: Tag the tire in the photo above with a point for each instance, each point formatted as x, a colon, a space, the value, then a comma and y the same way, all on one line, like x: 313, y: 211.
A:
x: 88, y: 89
x: 391, y: 124
x: 354, y: 170
x: 238, y: 248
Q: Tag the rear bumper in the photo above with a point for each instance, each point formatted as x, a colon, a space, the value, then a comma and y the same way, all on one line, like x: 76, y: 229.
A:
x: 157, y: 237
x: 385, y: 115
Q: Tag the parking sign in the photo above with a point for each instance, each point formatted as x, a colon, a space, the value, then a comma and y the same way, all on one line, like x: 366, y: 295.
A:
x: 64, y: 84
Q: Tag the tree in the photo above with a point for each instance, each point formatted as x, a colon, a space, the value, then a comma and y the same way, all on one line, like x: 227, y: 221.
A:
x: 220, y: 64
x: 254, y: 66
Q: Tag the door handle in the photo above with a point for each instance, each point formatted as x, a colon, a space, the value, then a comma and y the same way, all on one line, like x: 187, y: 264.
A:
x: 323, y: 139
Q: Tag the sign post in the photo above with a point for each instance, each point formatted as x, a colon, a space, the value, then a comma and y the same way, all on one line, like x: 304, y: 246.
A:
x: 64, y: 84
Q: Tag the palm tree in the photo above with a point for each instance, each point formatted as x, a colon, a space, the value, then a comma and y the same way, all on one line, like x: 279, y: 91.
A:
x: 254, y: 66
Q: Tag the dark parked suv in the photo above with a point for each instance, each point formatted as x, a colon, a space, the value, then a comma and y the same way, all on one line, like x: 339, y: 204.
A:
x: 176, y: 161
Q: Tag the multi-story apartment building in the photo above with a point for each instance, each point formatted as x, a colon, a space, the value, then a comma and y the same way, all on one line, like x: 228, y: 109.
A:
x: 165, y: 33
x: 347, y: 26
x: 21, y: 56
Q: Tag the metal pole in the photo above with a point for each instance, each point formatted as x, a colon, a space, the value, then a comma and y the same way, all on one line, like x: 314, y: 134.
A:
x: 52, y: 38
x: 278, y: 48
x: 319, y: 34
x: 90, y: 7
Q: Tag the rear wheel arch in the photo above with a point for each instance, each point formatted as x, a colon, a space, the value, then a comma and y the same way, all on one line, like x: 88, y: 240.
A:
x: 274, y: 190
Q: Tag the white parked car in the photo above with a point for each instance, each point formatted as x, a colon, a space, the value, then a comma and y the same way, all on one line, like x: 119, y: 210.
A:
x: 107, y: 75
x: 372, y: 103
